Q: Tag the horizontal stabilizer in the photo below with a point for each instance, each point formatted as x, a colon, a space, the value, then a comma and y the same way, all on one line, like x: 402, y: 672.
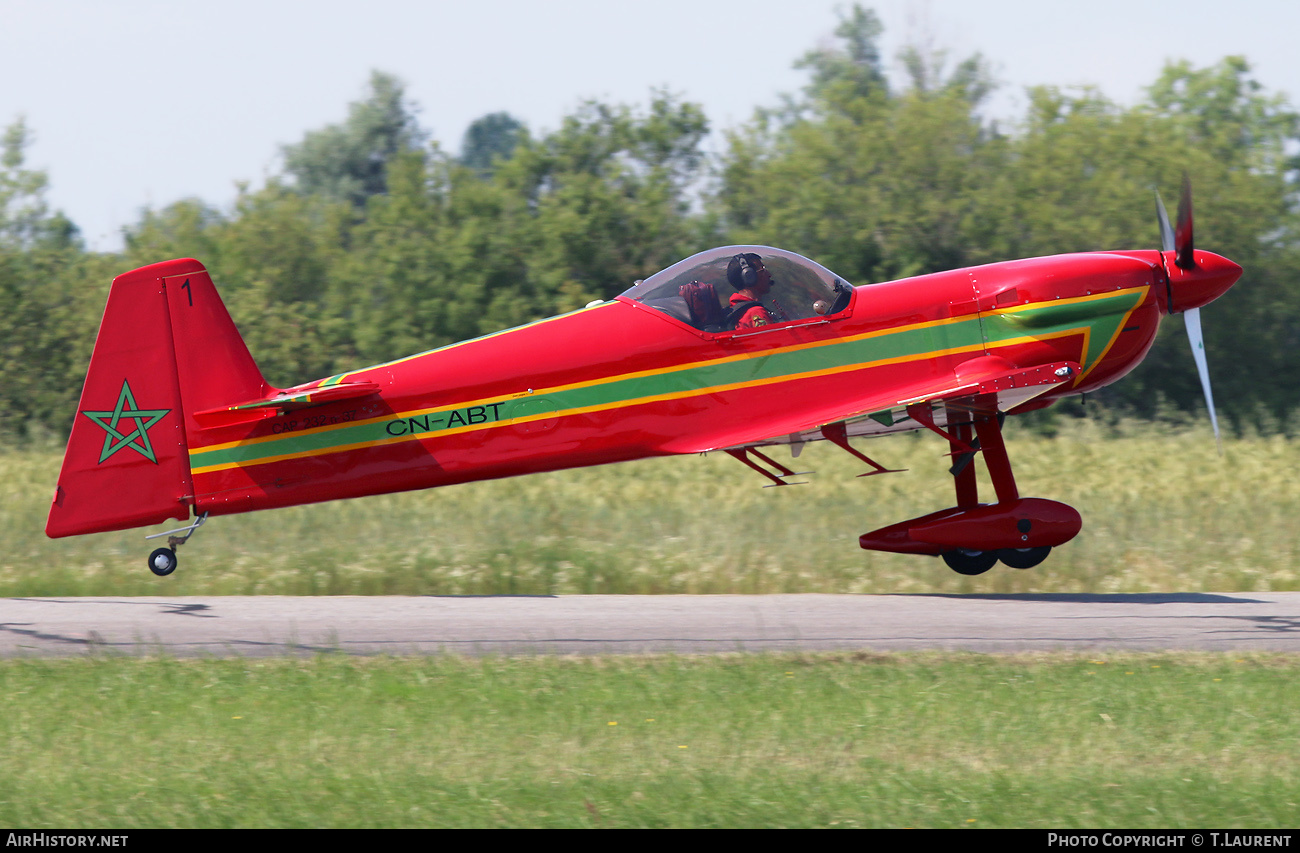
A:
x: 284, y: 401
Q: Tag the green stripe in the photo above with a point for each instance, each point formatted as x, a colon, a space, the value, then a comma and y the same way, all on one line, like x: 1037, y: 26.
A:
x: 693, y: 379
x: 1104, y: 316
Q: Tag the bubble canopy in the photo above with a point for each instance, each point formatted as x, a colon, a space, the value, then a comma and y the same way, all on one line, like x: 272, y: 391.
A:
x: 696, y: 290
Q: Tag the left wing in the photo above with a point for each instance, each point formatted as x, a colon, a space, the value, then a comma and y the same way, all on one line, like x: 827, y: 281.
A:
x: 985, y: 383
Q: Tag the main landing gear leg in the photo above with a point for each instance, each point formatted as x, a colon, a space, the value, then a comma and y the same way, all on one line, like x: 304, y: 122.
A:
x: 965, y: 445
x: 987, y: 438
x: 963, y: 472
x: 162, y: 561
x: 988, y: 429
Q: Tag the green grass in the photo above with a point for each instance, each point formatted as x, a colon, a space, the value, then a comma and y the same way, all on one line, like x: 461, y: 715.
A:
x: 1064, y: 741
x: 1188, y: 740
x: 1162, y: 512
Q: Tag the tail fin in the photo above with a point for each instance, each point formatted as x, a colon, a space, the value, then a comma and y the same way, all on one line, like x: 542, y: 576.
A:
x: 166, y: 349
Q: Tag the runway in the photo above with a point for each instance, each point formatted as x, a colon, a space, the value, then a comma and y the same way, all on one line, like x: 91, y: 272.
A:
x: 614, y: 624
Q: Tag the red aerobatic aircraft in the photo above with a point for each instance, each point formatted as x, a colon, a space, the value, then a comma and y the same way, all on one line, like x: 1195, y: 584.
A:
x: 735, y: 349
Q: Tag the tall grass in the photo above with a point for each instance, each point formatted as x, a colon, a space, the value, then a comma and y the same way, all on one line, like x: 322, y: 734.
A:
x: 1162, y: 512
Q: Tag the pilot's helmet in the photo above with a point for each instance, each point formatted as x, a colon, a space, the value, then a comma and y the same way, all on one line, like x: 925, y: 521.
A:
x: 742, y: 272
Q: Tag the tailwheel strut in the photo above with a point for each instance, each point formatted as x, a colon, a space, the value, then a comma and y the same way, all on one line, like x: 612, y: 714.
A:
x: 162, y: 561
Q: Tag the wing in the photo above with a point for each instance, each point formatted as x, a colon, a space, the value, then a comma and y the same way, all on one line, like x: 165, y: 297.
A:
x: 988, y: 383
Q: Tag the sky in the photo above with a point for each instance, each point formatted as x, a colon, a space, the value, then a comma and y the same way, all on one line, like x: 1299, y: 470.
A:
x: 139, y: 103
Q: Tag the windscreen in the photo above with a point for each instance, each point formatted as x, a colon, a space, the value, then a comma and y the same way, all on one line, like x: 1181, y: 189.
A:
x: 696, y: 290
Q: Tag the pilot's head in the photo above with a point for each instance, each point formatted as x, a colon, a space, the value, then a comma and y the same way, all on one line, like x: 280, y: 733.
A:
x: 746, y: 272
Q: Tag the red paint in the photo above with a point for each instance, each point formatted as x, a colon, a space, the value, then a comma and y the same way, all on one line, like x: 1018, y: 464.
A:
x: 1019, y: 523
x: 965, y: 341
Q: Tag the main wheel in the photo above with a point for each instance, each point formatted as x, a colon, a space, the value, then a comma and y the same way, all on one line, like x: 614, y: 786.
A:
x: 966, y: 562
x: 1024, y: 558
x: 162, y: 562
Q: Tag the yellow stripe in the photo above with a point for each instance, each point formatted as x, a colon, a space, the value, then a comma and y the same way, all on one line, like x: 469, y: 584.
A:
x: 1092, y: 297
x: 676, y: 395
x: 601, y: 381
x: 1085, y: 330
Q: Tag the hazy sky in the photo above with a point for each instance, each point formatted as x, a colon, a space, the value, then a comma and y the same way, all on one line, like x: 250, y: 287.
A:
x: 139, y: 103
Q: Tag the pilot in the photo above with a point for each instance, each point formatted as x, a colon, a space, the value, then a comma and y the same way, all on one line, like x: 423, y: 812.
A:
x: 751, y: 281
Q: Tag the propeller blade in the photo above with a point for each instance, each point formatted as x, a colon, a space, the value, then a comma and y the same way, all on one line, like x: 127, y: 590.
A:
x: 1183, y: 234
x: 1166, y: 230
x: 1192, y: 317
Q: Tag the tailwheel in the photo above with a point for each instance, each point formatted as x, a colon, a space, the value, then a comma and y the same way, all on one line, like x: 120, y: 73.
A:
x: 964, y: 561
x: 162, y: 562
x: 1024, y: 558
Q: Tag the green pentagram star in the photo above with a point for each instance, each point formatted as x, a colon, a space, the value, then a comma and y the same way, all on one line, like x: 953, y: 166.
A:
x: 137, y: 439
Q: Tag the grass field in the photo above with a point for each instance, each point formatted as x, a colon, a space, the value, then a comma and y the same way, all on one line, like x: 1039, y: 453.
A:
x: 1162, y: 512
x: 755, y: 740
x: 847, y: 740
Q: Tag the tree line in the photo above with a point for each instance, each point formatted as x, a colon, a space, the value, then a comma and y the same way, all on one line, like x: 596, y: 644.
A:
x: 375, y: 242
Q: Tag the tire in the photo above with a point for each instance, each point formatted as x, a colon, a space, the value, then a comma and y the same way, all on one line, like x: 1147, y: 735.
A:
x: 965, y: 562
x: 162, y: 562
x: 1024, y: 558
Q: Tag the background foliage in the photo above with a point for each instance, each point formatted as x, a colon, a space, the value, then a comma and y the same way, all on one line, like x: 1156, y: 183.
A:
x: 375, y: 242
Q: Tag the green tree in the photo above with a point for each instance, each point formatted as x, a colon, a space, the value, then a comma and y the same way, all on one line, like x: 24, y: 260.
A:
x: 1082, y: 177
x: 25, y: 217
x: 349, y: 161
x: 491, y: 138
x: 272, y: 259
x: 1236, y: 141
x: 187, y: 228
x: 573, y: 215
x: 877, y: 185
x: 852, y: 68
x: 882, y: 182
x: 49, y: 300
x: 611, y: 193
x: 408, y: 286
